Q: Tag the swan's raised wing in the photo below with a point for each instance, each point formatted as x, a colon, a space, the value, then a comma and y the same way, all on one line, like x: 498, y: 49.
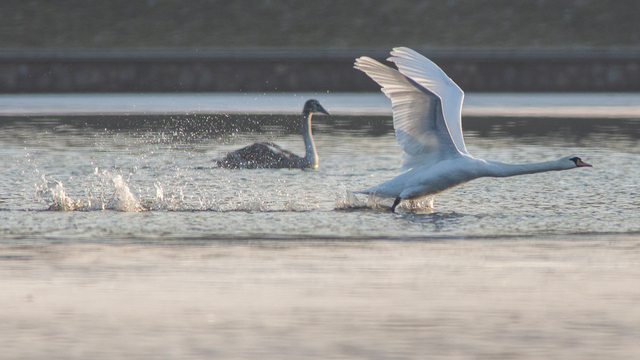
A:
x: 423, y: 71
x: 418, y: 118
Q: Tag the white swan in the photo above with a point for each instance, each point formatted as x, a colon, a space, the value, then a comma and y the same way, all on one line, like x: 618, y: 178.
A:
x: 427, y: 108
x: 271, y: 156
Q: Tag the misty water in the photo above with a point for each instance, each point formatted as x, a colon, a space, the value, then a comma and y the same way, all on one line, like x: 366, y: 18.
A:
x: 116, y: 224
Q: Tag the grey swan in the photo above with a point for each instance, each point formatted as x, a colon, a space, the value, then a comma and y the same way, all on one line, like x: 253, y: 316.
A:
x: 427, y: 107
x: 266, y: 155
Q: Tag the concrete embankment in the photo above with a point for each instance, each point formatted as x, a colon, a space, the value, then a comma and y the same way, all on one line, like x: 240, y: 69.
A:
x: 232, y: 70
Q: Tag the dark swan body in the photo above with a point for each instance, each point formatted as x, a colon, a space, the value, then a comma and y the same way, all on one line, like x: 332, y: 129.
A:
x: 266, y: 155
x: 262, y: 155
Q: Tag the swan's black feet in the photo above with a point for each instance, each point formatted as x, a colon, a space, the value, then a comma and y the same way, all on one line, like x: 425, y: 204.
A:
x: 395, y: 203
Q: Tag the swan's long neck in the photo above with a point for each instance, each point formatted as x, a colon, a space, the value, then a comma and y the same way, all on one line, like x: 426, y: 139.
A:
x: 311, y: 156
x: 498, y: 169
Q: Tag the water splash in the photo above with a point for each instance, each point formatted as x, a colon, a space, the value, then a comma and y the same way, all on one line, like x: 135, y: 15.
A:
x: 53, y: 192
x: 348, y: 201
x: 159, y: 191
x: 420, y: 206
x: 123, y: 199
x: 292, y: 205
x: 58, y: 196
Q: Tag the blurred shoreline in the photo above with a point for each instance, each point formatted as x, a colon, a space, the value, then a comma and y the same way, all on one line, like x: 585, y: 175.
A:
x: 294, y: 45
x: 539, y: 24
x: 291, y: 69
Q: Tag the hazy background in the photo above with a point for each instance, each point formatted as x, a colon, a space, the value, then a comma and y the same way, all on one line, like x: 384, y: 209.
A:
x: 330, y: 23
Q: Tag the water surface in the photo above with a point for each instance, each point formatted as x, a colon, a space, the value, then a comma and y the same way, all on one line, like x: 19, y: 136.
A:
x: 119, y: 237
x: 159, y: 169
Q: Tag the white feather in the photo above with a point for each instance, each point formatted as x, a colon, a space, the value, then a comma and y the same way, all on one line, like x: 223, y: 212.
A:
x: 423, y: 71
x: 420, y: 128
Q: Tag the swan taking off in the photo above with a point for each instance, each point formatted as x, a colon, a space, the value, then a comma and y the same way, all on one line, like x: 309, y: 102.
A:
x: 427, y: 107
x: 268, y: 155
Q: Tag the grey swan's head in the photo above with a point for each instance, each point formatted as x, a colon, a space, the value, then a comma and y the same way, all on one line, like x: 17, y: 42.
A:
x: 269, y: 155
x: 313, y: 106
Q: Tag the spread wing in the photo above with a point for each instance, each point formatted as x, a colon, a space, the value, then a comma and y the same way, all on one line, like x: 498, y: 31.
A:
x: 423, y: 71
x: 418, y: 117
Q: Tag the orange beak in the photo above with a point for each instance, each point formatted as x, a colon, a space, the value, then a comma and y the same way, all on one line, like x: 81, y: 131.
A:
x: 581, y: 163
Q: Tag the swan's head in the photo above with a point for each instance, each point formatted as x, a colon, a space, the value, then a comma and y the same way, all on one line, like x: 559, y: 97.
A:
x: 575, y: 162
x: 313, y: 106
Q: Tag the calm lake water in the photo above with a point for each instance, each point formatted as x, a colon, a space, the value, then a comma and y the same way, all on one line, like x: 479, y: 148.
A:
x: 120, y: 237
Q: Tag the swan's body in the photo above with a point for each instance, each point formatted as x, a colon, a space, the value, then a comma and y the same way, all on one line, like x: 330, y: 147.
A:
x: 271, y: 156
x: 427, y: 108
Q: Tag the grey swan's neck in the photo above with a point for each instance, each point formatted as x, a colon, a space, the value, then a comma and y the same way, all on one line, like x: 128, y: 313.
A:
x: 310, y: 159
